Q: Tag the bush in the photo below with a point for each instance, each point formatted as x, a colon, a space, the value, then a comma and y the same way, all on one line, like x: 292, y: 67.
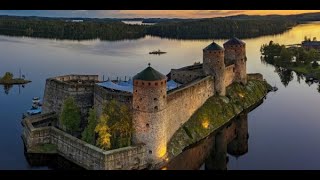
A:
x: 7, y: 76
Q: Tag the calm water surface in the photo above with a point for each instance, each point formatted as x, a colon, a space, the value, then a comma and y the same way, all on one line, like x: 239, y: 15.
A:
x: 284, y: 130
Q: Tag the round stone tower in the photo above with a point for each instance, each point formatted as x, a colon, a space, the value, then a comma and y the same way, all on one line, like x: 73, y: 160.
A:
x: 149, y: 117
x: 235, y: 53
x: 213, y: 64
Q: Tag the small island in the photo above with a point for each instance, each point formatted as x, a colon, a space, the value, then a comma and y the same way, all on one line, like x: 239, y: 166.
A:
x: 8, y: 79
x: 302, y: 58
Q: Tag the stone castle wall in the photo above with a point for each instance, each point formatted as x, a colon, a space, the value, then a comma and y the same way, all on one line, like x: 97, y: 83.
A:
x: 229, y: 75
x: 59, y: 88
x: 185, y: 76
x: 102, y: 96
x: 184, y: 101
x: 74, y: 77
x: 82, y: 153
x: 255, y: 76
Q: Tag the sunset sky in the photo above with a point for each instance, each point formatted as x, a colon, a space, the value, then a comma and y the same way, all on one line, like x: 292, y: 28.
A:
x: 148, y: 13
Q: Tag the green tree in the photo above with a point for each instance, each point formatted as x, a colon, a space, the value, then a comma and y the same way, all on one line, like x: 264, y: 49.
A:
x: 70, y: 117
x: 7, y: 76
x: 88, y: 134
x: 122, y: 128
x: 104, y: 132
x: 285, y: 56
x: 312, y: 55
x: 117, y: 120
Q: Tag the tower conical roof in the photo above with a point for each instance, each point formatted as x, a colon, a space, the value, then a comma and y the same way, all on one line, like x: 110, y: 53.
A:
x: 149, y: 74
x: 234, y: 41
x: 213, y: 47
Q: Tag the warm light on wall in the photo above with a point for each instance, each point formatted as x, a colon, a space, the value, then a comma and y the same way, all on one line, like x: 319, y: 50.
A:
x: 164, y: 168
x: 241, y: 95
x: 162, y: 151
x: 205, y: 123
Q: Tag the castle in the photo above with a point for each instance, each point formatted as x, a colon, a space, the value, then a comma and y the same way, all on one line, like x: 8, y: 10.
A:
x: 160, y: 104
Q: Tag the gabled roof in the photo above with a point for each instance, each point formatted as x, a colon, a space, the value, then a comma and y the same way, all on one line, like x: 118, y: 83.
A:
x: 149, y: 74
x: 234, y: 41
x: 213, y: 47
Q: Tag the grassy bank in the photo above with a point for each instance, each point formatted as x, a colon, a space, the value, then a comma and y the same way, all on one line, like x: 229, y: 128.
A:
x: 215, y: 112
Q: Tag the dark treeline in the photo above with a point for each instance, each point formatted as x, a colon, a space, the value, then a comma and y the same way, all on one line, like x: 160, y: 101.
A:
x: 63, y: 29
x: 242, y: 26
x: 219, y: 28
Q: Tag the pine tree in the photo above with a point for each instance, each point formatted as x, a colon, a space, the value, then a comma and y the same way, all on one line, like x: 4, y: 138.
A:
x: 88, y: 134
x: 70, y: 117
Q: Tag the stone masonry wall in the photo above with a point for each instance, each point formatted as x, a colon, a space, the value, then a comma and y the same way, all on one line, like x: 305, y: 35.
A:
x: 185, y: 76
x: 184, y: 101
x: 255, y: 76
x: 229, y: 75
x: 102, y: 96
x: 82, y: 153
x: 57, y: 91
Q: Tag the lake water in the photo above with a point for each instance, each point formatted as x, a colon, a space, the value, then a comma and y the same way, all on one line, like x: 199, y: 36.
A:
x: 283, y: 131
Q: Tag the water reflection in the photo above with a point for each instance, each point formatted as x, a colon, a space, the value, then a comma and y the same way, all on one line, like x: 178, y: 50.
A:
x: 49, y: 161
x: 285, y: 75
x: 8, y: 87
x: 211, y: 153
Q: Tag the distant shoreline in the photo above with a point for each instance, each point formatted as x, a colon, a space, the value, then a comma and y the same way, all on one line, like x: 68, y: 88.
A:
x: 16, y: 81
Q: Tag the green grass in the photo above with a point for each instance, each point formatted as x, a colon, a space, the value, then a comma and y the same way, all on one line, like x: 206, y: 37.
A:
x: 43, y: 148
x: 215, y: 112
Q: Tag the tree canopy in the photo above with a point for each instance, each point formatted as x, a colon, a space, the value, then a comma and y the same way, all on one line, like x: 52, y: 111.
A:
x: 88, y: 134
x: 58, y: 28
x: 70, y: 117
x: 115, y: 126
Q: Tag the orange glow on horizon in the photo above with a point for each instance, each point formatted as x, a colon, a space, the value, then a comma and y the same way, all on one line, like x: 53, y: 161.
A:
x: 207, y: 13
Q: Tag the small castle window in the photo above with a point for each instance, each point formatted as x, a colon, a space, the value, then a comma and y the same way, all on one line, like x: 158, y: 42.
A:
x: 190, y: 75
x: 136, y: 90
x: 161, y: 83
x: 140, y: 99
x: 156, y: 108
x: 149, y: 84
x: 155, y: 99
x: 164, y: 96
x: 147, y: 125
x: 137, y: 107
x: 156, y: 84
x: 136, y: 83
x: 150, y: 152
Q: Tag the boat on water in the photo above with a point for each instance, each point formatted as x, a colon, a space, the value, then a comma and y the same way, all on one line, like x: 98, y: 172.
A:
x: 35, y: 109
x: 157, y: 52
